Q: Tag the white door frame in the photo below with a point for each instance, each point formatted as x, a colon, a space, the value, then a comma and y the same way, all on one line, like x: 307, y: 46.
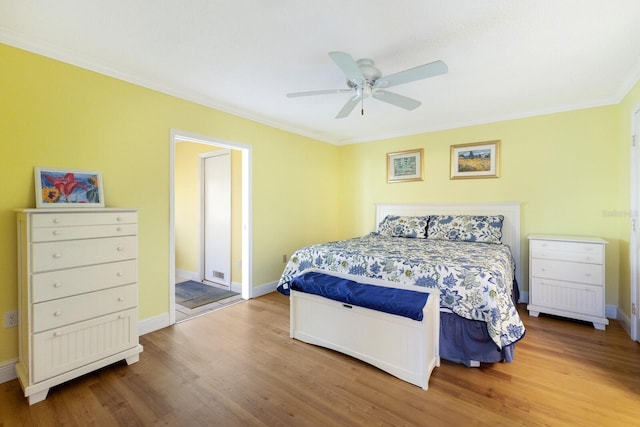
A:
x: 202, y: 262
x: 247, y: 264
x: 634, y: 250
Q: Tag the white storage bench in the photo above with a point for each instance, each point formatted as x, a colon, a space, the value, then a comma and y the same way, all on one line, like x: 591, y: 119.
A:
x: 405, y: 348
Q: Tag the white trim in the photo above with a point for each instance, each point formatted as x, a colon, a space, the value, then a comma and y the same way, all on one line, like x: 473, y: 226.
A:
x: 264, y: 289
x: 634, y: 241
x: 8, y: 371
x: 623, y: 319
x: 88, y: 63
x: 155, y: 323
x: 247, y: 262
x: 191, y: 275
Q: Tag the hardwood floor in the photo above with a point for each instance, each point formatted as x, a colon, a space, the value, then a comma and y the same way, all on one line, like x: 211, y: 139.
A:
x: 238, y: 367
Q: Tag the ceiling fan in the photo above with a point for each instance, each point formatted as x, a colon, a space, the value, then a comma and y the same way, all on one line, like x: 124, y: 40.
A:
x: 365, y: 80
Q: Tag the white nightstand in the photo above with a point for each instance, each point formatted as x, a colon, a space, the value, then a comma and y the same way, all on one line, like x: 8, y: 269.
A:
x: 566, y: 277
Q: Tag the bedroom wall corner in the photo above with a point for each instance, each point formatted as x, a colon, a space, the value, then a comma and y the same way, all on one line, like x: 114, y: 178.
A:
x: 558, y: 166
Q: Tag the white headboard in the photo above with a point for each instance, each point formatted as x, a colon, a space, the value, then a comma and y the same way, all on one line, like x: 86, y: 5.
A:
x: 510, y: 226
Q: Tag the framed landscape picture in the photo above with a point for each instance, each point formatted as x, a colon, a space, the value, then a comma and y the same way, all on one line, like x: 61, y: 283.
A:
x: 405, y: 166
x: 476, y: 160
x: 58, y: 188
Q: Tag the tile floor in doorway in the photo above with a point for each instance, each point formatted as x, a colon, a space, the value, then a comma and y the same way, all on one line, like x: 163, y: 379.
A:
x: 184, y: 313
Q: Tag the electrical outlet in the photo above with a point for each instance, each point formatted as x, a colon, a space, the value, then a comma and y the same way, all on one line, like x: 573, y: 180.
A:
x: 284, y: 258
x: 11, y: 319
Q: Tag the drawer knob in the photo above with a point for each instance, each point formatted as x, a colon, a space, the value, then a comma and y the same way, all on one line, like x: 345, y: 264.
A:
x: 120, y: 299
x: 119, y: 274
x: 57, y: 255
x: 57, y: 313
x: 57, y: 232
x: 57, y: 220
x: 120, y: 248
x: 57, y: 284
x: 57, y: 334
x: 587, y: 274
x: 119, y: 219
x: 118, y: 228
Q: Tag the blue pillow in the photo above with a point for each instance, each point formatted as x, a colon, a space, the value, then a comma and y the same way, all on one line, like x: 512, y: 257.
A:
x: 466, y: 228
x: 404, y: 226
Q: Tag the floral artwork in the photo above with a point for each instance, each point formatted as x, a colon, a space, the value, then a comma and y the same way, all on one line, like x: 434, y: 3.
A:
x: 63, y: 187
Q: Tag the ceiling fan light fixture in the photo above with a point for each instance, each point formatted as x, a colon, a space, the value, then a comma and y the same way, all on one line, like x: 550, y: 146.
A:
x: 366, y: 81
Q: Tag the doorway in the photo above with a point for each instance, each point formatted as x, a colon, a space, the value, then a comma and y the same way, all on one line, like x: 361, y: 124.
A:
x: 243, y: 259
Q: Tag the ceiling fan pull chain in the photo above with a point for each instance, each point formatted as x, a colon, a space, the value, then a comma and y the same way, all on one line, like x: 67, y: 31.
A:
x: 362, y: 108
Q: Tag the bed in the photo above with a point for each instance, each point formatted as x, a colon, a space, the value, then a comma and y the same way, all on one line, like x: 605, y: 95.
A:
x: 475, y: 270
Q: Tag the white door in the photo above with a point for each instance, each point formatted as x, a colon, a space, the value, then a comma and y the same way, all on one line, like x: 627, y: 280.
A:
x: 216, y: 198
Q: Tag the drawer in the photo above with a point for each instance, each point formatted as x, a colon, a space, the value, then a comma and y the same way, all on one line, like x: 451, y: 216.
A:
x: 54, y: 219
x: 77, y: 253
x: 567, y: 271
x: 64, y: 349
x: 64, y: 283
x: 569, y: 297
x: 65, y: 311
x: 52, y: 234
x: 568, y: 251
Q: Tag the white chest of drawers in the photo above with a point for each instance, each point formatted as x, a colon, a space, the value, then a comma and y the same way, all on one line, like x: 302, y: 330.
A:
x: 567, y: 277
x: 78, y: 294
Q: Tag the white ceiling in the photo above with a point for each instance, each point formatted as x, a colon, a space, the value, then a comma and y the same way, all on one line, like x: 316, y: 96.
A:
x: 507, y: 59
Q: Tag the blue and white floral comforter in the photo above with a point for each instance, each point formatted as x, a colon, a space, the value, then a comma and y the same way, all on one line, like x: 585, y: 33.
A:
x: 475, y: 279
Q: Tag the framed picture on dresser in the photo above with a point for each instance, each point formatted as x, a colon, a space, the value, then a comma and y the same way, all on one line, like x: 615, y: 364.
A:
x: 58, y: 188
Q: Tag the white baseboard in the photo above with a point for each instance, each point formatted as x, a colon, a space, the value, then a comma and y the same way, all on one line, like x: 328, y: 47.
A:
x: 8, y: 371
x: 625, y: 322
x: 184, y: 274
x: 153, y: 323
x: 236, y: 287
x: 261, y: 290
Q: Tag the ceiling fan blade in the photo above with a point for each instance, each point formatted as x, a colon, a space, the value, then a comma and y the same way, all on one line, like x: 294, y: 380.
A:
x: 412, y: 74
x: 317, y: 92
x: 395, y: 99
x: 349, y: 106
x: 348, y: 66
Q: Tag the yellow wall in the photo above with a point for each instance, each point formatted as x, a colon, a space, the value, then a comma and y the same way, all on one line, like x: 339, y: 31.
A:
x: 57, y: 115
x: 564, y: 168
x: 187, y: 207
x: 569, y: 170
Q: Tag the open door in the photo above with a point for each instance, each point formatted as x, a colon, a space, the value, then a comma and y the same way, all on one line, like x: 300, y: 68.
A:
x: 216, y: 217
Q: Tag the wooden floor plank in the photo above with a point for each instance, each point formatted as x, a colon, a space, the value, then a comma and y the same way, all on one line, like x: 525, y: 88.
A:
x: 238, y: 367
